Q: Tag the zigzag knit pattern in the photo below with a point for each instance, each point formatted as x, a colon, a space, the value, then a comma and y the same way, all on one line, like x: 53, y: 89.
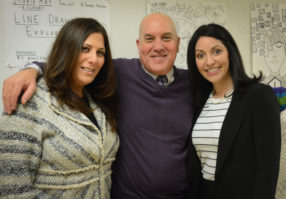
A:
x: 49, y: 151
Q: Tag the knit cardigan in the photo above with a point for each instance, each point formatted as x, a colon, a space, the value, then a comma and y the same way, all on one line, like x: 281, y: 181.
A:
x: 49, y: 151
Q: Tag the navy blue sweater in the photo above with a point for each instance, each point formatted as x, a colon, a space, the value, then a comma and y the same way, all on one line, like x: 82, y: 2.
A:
x: 153, y: 125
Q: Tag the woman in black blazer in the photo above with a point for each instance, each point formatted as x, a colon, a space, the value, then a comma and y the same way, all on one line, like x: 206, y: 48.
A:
x: 234, y: 147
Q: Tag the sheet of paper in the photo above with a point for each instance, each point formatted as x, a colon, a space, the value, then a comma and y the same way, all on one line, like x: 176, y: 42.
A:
x: 32, y: 25
x: 268, y: 29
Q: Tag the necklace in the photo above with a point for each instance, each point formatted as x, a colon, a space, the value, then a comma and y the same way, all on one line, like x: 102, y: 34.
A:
x: 220, y: 100
x: 216, y: 100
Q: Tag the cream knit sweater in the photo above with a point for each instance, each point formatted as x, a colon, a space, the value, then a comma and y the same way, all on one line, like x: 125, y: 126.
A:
x: 48, y: 151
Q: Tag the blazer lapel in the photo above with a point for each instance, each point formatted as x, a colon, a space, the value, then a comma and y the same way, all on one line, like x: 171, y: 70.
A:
x: 230, y: 127
x: 77, y: 116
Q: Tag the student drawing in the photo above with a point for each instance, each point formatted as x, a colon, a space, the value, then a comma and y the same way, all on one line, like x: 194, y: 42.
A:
x: 275, y: 57
x: 268, y: 25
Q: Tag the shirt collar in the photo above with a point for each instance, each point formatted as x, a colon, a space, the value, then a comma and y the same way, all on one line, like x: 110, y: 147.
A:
x: 170, y: 75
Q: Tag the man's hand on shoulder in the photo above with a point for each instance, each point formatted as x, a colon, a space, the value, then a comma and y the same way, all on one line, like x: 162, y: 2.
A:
x: 23, y: 81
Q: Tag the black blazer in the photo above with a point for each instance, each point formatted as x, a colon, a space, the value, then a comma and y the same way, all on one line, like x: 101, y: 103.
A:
x: 248, y: 150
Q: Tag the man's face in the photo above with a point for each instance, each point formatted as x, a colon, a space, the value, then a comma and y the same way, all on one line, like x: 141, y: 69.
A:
x: 158, y: 44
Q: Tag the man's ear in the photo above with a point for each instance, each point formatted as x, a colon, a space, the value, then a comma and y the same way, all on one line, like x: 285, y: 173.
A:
x: 178, y: 44
x: 138, y: 44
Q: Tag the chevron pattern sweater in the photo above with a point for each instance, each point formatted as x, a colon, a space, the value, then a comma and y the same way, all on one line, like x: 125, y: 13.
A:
x: 49, y: 151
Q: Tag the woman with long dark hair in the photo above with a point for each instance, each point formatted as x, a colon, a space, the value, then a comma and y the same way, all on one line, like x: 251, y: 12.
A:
x: 234, y: 147
x: 61, y: 144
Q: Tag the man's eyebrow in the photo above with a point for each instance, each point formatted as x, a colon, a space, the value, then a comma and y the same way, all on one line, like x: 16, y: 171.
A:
x: 148, y: 35
x: 164, y: 34
x: 168, y: 34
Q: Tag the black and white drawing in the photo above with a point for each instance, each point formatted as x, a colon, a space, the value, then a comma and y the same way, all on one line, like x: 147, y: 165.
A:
x: 268, y: 29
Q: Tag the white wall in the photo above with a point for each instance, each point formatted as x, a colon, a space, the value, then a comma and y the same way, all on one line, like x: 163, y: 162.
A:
x: 125, y: 16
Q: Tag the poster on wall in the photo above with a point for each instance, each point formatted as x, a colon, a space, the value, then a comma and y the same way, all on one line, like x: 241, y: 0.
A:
x: 188, y: 16
x: 32, y: 25
x: 268, y: 29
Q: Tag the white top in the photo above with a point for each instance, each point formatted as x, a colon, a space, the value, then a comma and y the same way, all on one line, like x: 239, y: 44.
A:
x: 206, y: 132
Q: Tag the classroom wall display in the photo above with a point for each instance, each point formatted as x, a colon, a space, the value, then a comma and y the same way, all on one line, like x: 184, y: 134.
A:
x: 268, y: 29
x: 281, y: 186
x: 32, y: 25
x: 188, y: 16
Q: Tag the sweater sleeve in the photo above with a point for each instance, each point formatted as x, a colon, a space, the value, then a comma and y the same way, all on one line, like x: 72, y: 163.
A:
x: 194, y: 175
x: 42, y: 65
x: 20, y: 153
x: 267, y: 140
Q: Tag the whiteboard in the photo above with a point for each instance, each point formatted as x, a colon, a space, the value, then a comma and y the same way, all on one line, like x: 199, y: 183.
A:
x: 31, y: 25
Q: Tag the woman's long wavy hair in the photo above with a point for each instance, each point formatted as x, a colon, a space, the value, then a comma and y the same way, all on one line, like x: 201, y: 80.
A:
x: 200, y: 87
x: 63, y: 60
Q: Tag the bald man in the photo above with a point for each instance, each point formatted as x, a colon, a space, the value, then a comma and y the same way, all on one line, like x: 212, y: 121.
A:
x: 154, y: 117
x: 154, y: 120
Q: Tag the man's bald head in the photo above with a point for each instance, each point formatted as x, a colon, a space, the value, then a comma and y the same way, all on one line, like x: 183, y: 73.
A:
x: 158, y: 43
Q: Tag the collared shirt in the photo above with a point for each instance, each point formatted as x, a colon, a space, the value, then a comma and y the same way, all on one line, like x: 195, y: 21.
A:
x: 170, y: 75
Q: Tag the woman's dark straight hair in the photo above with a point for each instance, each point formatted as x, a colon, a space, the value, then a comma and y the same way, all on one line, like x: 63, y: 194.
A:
x: 200, y: 87
x: 63, y: 60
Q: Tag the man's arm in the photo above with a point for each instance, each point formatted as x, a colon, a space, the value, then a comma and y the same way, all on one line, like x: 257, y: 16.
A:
x: 22, y: 82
